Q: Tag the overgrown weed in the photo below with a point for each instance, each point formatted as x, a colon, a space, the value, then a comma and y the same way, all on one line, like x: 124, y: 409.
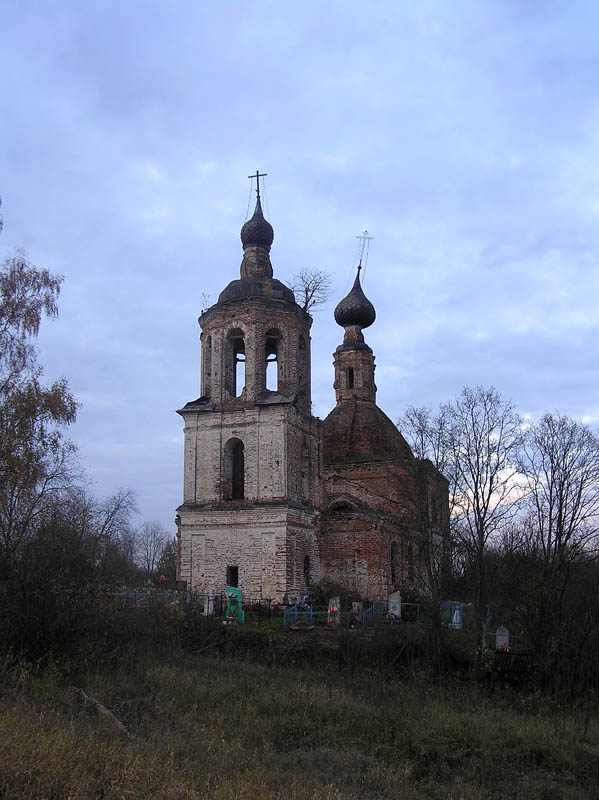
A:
x: 210, y: 726
x: 264, y: 716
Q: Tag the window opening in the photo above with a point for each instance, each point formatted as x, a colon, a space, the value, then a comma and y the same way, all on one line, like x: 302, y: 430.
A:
x: 272, y: 383
x: 307, y: 571
x: 239, y: 373
x: 233, y: 576
x: 350, y: 378
x: 234, y: 470
x: 273, y: 365
x: 235, y: 362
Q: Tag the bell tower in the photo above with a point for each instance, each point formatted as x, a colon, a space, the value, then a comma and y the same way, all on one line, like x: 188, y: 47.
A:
x: 354, y: 360
x: 253, y: 454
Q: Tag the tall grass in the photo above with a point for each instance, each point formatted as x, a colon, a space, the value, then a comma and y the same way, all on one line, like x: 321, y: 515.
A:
x: 220, y: 726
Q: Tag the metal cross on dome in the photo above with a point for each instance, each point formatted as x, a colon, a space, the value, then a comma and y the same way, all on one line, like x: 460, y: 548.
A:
x: 257, y: 176
x: 365, y: 239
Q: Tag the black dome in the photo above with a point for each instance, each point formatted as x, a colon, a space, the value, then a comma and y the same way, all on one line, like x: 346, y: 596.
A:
x: 257, y: 230
x: 356, y: 308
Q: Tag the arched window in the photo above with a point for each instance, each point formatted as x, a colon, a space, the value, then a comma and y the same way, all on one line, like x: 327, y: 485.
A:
x: 233, y: 470
x: 342, y: 505
x: 394, y: 564
x: 273, y: 360
x: 307, y: 571
x: 235, y: 362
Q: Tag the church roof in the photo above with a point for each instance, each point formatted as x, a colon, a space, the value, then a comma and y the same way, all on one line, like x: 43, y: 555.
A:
x: 256, y: 279
x: 259, y: 286
x: 355, y: 308
x: 360, y: 431
x: 257, y: 230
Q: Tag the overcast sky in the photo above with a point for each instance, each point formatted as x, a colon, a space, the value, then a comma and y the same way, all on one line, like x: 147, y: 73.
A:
x: 463, y: 135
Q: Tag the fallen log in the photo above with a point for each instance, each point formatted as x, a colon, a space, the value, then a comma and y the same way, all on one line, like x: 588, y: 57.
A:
x: 91, y: 702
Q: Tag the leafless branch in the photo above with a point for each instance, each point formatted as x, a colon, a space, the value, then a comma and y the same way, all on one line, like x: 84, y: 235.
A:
x: 311, y: 287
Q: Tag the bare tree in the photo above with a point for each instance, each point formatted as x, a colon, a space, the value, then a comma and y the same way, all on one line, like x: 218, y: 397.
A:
x: 128, y: 545
x: 428, y: 436
x: 152, y: 538
x: 485, y: 438
x: 560, y: 460
x: 311, y: 287
x: 475, y: 443
x: 81, y: 540
x: 205, y: 301
x: 112, y: 528
x: 103, y: 525
x: 167, y: 562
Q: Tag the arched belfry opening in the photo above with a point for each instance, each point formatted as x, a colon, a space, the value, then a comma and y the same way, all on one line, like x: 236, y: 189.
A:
x: 273, y: 368
x: 233, y: 470
x: 235, y: 362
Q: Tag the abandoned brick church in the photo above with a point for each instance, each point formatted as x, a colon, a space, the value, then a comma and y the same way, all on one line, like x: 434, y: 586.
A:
x: 276, y: 499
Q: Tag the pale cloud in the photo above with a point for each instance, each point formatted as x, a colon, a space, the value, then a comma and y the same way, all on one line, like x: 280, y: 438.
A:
x: 153, y: 172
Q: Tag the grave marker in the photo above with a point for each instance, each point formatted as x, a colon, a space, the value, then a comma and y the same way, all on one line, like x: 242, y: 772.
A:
x: 334, y: 612
x: 395, y: 605
x: 209, y: 603
x: 234, y: 612
x: 502, y: 638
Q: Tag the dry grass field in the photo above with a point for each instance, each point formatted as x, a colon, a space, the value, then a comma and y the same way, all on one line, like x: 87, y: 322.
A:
x: 222, y: 726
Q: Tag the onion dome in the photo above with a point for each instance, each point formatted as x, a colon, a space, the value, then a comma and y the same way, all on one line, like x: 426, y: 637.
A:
x: 257, y: 231
x: 356, y: 308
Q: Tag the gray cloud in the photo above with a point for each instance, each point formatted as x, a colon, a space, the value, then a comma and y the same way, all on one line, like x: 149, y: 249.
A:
x: 463, y: 137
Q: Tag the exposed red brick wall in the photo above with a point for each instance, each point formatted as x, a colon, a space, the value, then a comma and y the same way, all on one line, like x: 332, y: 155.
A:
x: 359, y: 431
x: 377, y: 494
